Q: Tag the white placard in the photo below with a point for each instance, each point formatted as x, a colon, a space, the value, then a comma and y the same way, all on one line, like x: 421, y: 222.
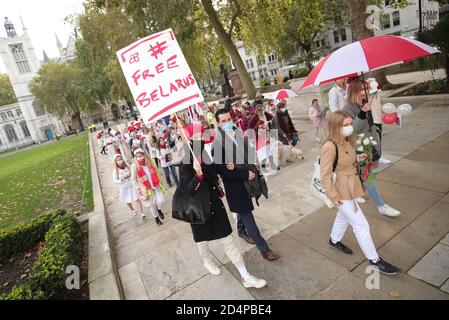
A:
x: 158, y: 76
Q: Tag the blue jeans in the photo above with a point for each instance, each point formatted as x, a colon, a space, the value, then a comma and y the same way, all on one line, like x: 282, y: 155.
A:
x: 167, y: 170
x: 294, y: 139
x: 371, y: 188
x: 247, y: 225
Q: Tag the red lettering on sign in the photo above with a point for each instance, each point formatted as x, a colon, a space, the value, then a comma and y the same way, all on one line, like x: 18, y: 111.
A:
x: 172, y: 64
x: 153, y: 95
x: 173, y: 88
x: 158, y: 49
x: 162, y: 92
x: 136, y: 76
x: 147, y: 74
x: 160, y: 68
x: 179, y: 83
x: 192, y: 79
x: 143, y: 100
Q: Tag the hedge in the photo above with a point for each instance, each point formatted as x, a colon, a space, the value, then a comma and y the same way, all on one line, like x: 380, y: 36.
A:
x: 22, y: 237
x: 62, y: 248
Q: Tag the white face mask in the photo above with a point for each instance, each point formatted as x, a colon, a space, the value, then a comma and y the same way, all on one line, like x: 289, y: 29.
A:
x: 347, y: 131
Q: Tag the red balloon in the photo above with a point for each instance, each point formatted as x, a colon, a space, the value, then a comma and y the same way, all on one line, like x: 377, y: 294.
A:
x: 390, y: 118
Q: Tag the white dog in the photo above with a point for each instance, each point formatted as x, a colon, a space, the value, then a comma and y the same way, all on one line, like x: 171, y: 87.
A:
x: 288, y: 153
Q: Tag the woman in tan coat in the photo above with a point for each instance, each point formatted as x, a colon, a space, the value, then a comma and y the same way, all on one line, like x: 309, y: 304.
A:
x: 346, y: 188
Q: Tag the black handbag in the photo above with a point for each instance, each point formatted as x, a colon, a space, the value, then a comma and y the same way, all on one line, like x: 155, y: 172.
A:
x: 192, y: 208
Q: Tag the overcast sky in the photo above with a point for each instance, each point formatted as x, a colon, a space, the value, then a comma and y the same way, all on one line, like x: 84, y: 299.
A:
x: 42, y: 18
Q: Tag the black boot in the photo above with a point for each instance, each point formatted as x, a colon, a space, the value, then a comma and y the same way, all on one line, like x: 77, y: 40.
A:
x: 158, y: 221
x: 161, y: 215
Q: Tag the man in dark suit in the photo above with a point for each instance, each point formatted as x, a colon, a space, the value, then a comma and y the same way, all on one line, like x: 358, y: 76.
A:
x: 235, y: 163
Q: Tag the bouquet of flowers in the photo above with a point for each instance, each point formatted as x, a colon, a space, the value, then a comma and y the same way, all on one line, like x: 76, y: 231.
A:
x: 366, y: 145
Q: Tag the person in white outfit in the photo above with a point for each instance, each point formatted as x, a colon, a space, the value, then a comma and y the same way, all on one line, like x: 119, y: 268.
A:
x: 337, y: 95
x: 338, y: 156
x: 121, y: 175
x: 149, y: 186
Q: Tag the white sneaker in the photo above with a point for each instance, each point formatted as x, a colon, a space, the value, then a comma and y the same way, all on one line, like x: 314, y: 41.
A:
x: 385, y: 161
x: 388, y: 211
x: 360, y: 200
x: 253, y: 282
x: 211, y: 267
x: 142, y: 215
x: 317, y: 139
x: 134, y: 212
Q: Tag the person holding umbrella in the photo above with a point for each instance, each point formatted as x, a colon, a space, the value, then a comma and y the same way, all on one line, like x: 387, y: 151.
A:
x: 360, y: 111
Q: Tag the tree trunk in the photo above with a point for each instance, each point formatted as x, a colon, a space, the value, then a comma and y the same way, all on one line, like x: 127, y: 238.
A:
x: 78, y: 115
x: 358, y: 16
x: 230, y: 48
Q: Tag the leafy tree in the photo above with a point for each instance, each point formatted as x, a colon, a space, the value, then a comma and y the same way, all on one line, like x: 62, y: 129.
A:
x: 438, y: 37
x: 7, y: 95
x: 62, y: 89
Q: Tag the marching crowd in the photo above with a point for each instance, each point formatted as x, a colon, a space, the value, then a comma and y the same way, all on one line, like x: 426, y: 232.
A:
x: 217, y: 155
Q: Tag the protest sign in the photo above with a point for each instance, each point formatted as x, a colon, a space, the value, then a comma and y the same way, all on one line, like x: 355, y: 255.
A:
x: 158, y: 76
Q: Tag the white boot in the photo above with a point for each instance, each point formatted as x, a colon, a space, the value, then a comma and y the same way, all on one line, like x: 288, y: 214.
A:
x: 253, y: 282
x: 388, y: 211
x: 211, y: 267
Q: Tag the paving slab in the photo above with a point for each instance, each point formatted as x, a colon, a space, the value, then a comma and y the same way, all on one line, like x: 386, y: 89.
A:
x: 445, y: 198
x: 170, y: 267
x: 434, y: 267
x: 210, y: 287
x: 314, y: 232
x: 403, y: 286
x: 420, y: 174
x: 445, y: 287
x: 133, y: 288
x: 398, y: 196
x: 445, y: 240
x: 413, y: 242
x: 443, y: 138
x: 104, y: 288
x: 300, y: 273
x: 352, y: 287
x: 432, y: 152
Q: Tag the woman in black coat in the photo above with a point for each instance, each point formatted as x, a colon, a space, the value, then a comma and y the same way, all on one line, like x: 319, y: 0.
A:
x: 200, y: 173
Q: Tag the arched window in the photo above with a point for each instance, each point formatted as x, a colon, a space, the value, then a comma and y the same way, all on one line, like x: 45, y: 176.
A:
x: 25, y: 130
x: 20, y: 58
x: 10, y: 133
x: 38, y: 110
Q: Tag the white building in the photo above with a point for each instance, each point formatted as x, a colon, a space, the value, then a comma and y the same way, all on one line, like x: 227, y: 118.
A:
x: 20, y: 60
x: 263, y: 67
x: 403, y: 22
x: 388, y: 21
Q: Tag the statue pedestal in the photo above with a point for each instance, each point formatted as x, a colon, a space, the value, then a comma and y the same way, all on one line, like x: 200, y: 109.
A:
x: 236, y: 83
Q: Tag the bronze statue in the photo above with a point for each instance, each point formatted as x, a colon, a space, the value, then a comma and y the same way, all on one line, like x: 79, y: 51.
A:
x: 226, y: 88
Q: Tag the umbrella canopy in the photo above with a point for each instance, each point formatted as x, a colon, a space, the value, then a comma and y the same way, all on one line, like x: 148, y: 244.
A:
x: 282, y: 94
x: 366, y: 55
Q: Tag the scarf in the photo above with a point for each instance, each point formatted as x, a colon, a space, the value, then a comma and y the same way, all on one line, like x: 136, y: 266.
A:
x: 143, y: 179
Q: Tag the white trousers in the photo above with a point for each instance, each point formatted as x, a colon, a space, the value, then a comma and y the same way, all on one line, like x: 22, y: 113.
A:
x: 230, y: 247
x: 349, y: 213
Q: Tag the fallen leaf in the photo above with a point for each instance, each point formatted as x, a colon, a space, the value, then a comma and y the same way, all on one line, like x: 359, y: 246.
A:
x: 4, y: 285
x: 28, y: 254
x: 395, y: 294
x: 23, y: 276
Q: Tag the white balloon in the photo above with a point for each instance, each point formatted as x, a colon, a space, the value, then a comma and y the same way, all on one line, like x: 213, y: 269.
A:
x: 404, y: 109
x: 388, y: 108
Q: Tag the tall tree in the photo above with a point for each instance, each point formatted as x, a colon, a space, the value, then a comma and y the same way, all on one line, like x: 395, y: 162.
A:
x: 7, y: 95
x: 62, y: 89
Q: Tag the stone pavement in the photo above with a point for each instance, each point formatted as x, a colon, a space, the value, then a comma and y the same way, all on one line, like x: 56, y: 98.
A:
x: 163, y: 262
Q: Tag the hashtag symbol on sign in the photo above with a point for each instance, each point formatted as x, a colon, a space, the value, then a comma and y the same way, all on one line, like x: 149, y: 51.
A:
x: 157, y: 49
x: 134, y: 57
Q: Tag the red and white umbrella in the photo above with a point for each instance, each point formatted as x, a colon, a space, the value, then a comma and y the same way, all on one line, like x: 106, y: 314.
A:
x: 366, y: 55
x: 282, y: 94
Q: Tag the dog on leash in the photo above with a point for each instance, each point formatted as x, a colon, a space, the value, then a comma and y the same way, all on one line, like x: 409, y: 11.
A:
x: 288, y: 153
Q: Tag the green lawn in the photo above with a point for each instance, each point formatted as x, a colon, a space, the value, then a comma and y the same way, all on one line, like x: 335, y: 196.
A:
x: 45, y: 178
